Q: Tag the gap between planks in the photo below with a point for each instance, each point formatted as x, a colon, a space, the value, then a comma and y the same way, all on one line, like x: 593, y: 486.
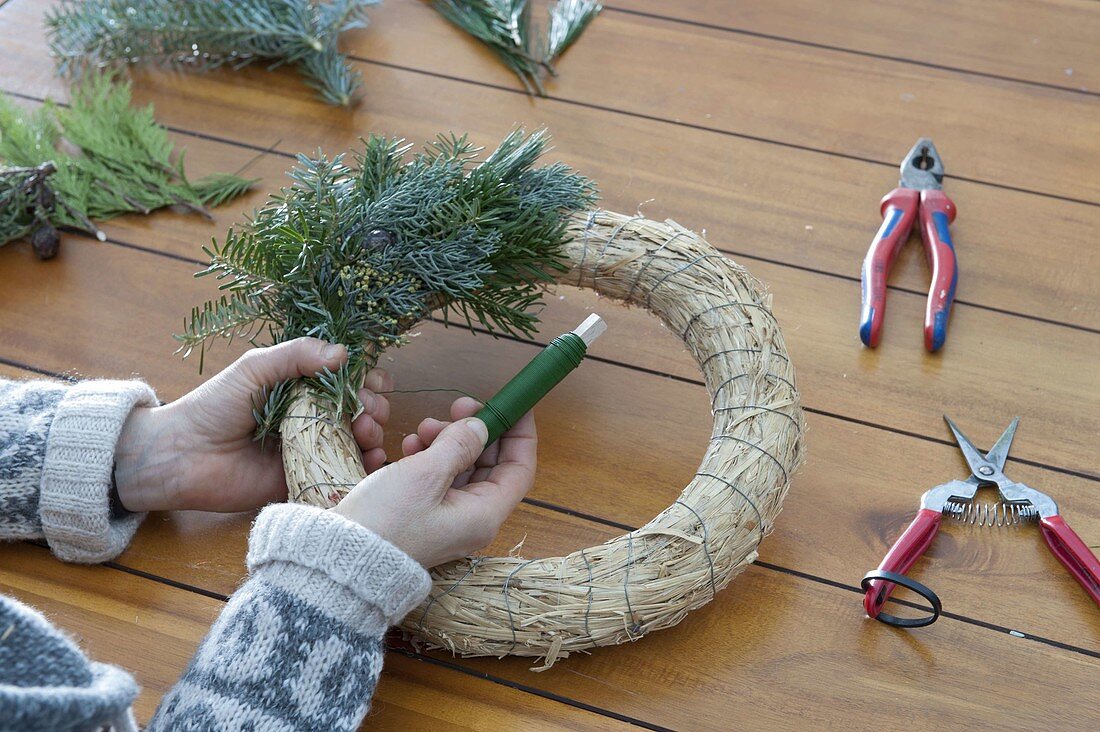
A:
x: 736, y: 253
x: 408, y: 653
x: 592, y: 518
x: 700, y: 127
x: 633, y: 367
x: 853, y: 51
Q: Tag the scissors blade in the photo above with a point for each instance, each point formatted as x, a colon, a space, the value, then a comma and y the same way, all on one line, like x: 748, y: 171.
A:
x: 974, y: 457
x: 999, y: 452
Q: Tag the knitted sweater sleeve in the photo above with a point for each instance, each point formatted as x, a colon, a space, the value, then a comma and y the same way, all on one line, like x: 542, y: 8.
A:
x: 57, y: 446
x: 299, y: 645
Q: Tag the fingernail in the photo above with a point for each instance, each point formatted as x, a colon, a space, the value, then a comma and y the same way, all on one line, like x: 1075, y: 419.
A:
x: 478, y: 428
x: 369, y: 401
x: 333, y: 352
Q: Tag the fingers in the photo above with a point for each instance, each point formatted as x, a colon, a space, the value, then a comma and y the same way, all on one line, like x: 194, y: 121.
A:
x: 455, y: 449
x: 367, y: 427
x: 373, y: 459
x: 290, y: 360
x: 504, y: 485
x: 411, y: 445
x: 378, y: 381
x: 375, y: 405
x: 520, y: 444
x: 464, y: 407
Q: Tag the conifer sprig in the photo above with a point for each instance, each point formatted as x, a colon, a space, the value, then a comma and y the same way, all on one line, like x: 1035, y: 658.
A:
x: 205, y: 34
x: 506, y: 27
x: 356, y: 252
x: 115, y: 160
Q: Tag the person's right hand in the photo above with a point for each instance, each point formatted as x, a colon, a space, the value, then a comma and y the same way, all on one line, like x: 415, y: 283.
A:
x: 449, y: 496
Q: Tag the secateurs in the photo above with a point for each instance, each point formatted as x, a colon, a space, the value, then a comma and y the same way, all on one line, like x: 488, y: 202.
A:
x: 1019, y: 503
x: 920, y: 189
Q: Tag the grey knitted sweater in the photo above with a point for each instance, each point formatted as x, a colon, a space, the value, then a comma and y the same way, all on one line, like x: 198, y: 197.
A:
x: 298, y: 646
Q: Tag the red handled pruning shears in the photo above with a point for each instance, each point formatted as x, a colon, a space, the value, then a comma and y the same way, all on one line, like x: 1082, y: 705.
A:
x: 1019, y: 503
x: 920, y: 189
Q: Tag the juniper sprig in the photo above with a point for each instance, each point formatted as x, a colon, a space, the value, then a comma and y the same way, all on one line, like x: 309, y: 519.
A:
x: 95, y: 159
x: 357, y: 252
x: 506, y: 27
x: 206, y: 34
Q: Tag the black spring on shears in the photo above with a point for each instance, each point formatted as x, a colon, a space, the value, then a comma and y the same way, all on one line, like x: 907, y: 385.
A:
x: 990, y: 514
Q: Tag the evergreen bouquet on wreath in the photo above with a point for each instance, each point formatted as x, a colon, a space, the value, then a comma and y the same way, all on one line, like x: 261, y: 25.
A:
x: 356, y: 252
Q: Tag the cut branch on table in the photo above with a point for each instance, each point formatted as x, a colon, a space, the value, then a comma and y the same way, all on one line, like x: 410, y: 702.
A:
x: 207, y: 34
x: 65, y: 167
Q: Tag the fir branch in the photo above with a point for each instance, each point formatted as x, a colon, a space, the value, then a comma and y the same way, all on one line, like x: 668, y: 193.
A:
x: 357, y: 252
x: 207, y: 34
x: 218, y: 188
x: 506, y: 27
x: 124, y: 162
x: 568, y: 20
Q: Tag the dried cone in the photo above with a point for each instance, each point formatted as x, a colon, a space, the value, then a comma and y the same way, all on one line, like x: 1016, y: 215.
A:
x: 45, y: 241
x: 320, y: 456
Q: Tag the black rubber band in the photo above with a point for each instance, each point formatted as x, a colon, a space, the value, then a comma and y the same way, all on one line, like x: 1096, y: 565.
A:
x: 917, y: 587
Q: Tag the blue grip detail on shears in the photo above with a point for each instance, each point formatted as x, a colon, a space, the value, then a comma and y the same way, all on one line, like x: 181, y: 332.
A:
x: 939, y: 321
x: 940, y: 220
x: 891, y: 222
x: 939, y: 329
x: 865, y: 326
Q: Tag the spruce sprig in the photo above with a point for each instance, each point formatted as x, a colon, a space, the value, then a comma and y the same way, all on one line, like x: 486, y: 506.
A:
x: 95, y: 159
x: 356, y: 252
x: 506, y: 27
x: 206, y: 34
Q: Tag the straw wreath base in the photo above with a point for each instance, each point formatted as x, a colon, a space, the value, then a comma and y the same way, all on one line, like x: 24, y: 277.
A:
x: 652, y: 577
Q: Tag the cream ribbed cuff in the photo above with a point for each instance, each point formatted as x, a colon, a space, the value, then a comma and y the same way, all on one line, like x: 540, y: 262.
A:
x: 74, y: 505
x: 308, y: 550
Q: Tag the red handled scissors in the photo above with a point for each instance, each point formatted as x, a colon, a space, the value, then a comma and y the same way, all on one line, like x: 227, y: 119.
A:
x: 955, y: 500
x: 920, y: 189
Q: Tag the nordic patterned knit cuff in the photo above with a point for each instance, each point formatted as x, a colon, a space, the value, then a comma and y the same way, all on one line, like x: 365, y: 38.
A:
x: 307, y: 550
x: 74, y: 505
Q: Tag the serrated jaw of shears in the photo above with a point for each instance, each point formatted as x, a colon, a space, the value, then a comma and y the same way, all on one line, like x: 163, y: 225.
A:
x: 922, y: 168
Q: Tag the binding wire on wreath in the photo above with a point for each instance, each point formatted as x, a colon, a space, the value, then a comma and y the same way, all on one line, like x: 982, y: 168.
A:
x: 286, y: 272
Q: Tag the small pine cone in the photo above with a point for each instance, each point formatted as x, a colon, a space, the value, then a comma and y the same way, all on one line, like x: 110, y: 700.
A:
x: 378, y: 238
x: 45, y: 241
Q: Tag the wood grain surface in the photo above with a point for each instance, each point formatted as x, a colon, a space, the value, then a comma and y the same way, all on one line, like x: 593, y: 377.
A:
x: 776, y: 127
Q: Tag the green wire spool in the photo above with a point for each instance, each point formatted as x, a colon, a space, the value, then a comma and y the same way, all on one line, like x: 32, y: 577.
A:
x: 537, y: 378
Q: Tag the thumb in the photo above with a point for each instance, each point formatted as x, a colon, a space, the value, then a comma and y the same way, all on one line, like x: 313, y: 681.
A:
x: 290, y: 360
x: 456, y: 448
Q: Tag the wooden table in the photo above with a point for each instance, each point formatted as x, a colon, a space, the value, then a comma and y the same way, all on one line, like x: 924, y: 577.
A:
x: 775, y: 127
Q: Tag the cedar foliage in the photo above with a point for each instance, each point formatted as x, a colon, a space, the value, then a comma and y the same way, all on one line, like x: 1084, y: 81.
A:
x: 95, y: 159
x: 206, y: 34
x: 356, y: 252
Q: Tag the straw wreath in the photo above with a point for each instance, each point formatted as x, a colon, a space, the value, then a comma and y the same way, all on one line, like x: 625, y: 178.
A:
x: 652, y: 577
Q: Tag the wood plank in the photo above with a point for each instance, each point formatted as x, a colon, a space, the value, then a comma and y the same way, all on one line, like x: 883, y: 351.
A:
x: 987, y: 129
x: 770, y: 626
x: 794, y: 206
x: 595, y: 426
x: 898, y: 385
x: 163, y: 625
x: 845, y: 509
x: 1049, y: 42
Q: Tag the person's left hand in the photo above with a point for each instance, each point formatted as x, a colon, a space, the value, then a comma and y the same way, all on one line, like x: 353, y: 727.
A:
x: 198, y: 452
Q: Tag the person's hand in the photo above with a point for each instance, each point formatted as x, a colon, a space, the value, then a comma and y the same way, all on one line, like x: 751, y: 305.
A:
x: 448, y: 496
x: 199, y: 453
